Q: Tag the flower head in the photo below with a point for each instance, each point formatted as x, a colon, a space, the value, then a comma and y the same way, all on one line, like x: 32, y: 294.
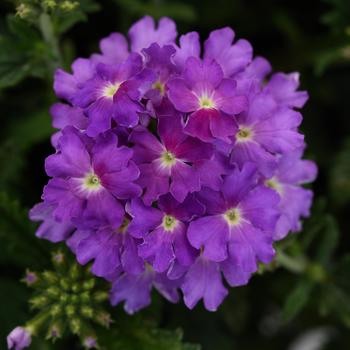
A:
x: 176, y: 164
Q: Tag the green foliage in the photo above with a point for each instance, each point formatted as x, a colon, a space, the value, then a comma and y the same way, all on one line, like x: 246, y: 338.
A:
x: 339, y: 179
x: 17, y: 234
x: 135, y: 333
x: 22, y: 53
x: 177, y: 10
x: 338, y: 18
x: 297, y: 299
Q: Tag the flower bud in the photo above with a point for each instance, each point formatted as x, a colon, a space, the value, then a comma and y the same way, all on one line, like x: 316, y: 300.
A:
x: 23, y: 11
x: 30, y: 278
x: 90, y: 342
x: 19, y: 339
x: 68, y: 5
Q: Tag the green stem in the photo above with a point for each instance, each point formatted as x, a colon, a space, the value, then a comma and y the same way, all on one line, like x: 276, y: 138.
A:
x: 297, y: 265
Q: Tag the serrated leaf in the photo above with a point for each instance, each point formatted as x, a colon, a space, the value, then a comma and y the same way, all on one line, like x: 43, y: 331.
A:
x: 297, y: 299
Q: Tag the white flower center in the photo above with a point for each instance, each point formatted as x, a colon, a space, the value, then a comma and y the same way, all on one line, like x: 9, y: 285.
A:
x: 206, y: 102
x: 244, y: 134
x: 168, y: 159
x: 233, y: 216
x: 91, y: 182
x: 274, y: 184
x: 110, y: 89
x: 169, y: 223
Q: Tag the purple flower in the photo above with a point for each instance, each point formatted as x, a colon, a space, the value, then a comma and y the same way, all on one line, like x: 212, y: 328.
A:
x: 283, y: 88
x: 159, y: 60
x: 295, y: 202
x: 210, y: 100
x: 203, y: 281
x: 90, y: 178
x: 109, y: 248
x: 176, y: 164
x: 19, y: 339
x: 90, y: 342
x: 114, y: 49
x: 144, y: 32
x: 136, y: 290
x: 239, y: 223
x: 164, y: 230
x: 66, y: 85
x: 114, y: 92
x: 265, y: 130
x: 166, y: 165
x: 50, y: 229
x: 233, y: 58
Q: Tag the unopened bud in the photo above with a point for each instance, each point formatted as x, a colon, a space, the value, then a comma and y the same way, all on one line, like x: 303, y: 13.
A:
x: 49, y: 277
x: 100, y: 296
x: 68, y: 5
x: 23, y: 11
x: 75, y: 325
x: 39, y: 301
x: 87, y: 312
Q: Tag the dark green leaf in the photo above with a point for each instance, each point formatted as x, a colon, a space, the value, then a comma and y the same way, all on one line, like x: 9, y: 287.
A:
x: 22, y: 53
x: 339, y: 179
x: 134, y: 333
x: 18, y: 242
x: 297, y: 299
x: 328, y: 241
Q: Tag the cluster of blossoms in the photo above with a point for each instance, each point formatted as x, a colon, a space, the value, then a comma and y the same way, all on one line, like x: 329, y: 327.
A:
x: 177, y: 166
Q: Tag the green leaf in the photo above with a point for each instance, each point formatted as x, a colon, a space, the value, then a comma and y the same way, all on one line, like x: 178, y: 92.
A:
x: 66, y: 20
x: 328, y: 241
x: 22, y: 136
x: 176, y: 10
x: 338, y: 17
x: 134, y: 333
x: 35, y: 128
x: 18, y: 243
x: 22, y: 53
x: 339, y: 177
x: 335, y: 300
x: 297, y: 299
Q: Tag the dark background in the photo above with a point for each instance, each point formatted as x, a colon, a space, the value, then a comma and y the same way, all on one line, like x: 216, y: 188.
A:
x: 279, y: 305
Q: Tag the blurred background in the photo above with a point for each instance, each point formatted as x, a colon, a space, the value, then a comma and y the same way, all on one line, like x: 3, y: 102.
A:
x: 302, y: 301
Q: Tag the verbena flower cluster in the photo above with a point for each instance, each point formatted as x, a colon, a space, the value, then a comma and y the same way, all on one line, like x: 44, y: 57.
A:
x: 177, y: 165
